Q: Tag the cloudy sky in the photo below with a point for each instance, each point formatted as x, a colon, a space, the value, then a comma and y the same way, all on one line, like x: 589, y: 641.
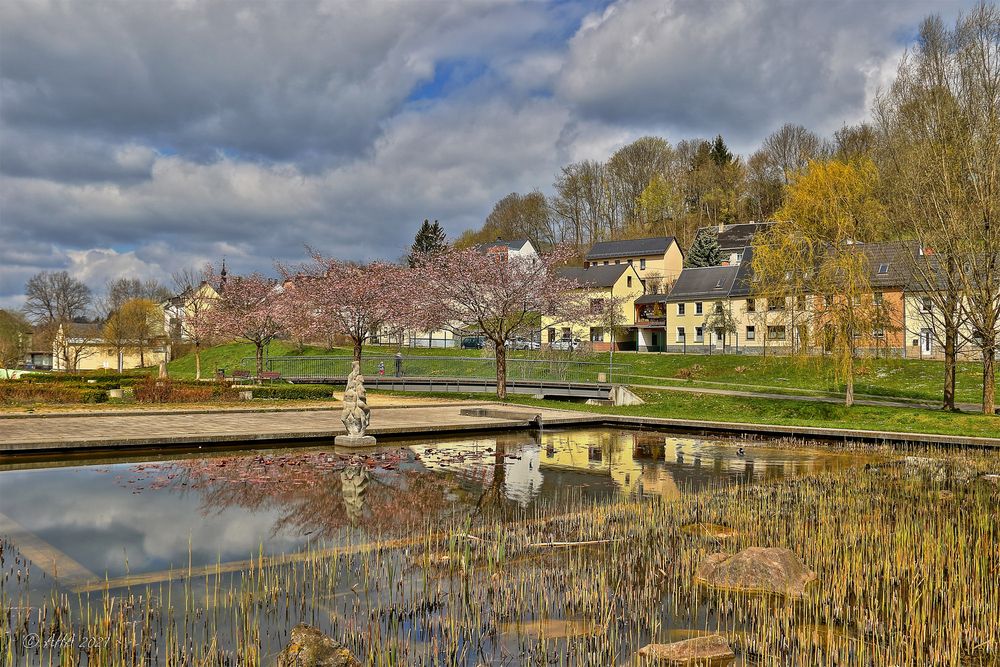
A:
x: 142, y: 136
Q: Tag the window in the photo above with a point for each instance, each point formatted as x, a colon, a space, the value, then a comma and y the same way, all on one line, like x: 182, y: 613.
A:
x: 596, y: 335
x: 697, y: 308
x: 776, y: 304
x: 586, y: 264
x: 628, y: 281
x: 618, y: 261
x: 878, y: 298
x: 699, y: 334
x: 883, y: 269
x: 751, y: 306
x: 552, y: 335
x: 926, y: 304
x: 642, y: 265
x: 630, y: 262
x: 776, y: 333
x: 879, y: 333
x: 751, y: 332
x: 680, y: 308
x: 680, y: 334
x: 605, y: 262
x: 718, y: 307
x: 800, y: 302
x: 596, y: 306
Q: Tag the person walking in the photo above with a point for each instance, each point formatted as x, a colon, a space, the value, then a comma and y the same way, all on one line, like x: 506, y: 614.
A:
x: 399, y: 364
x: 381, y: 368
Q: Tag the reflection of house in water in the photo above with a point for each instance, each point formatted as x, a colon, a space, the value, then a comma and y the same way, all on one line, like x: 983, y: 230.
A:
x: 477, y: 461
x: 608, y: 453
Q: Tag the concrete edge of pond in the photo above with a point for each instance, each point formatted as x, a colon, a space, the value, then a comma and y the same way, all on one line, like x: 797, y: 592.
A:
x: 126, y: 412
x: 117, y: 431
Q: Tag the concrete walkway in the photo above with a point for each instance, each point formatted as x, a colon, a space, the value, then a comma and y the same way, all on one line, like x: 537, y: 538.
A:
x: 39, y: 433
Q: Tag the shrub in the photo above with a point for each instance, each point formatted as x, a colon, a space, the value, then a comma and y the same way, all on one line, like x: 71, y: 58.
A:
x: 690, y: 372
x: 19, y: 393
x: 293, y: 391
x: 155, y: 390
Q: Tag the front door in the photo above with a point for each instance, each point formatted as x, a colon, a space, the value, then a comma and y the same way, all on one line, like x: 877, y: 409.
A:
x: 926, y: 342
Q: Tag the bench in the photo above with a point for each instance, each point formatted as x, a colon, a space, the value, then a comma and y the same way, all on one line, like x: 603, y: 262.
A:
x: 270, y: 376
x: 241, y: 375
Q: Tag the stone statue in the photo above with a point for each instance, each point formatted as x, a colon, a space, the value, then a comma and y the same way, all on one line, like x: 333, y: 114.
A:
x: 356, y: 413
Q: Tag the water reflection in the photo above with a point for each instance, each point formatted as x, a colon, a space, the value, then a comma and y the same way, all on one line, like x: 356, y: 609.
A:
x: 227, y: 507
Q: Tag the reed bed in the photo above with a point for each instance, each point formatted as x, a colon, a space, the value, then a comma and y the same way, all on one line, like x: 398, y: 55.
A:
x: 908, y: 574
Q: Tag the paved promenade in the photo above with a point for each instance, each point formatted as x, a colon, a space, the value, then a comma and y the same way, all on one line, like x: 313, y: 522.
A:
x: 27, y: 433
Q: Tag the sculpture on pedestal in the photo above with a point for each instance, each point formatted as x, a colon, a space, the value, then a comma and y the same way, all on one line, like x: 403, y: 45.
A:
x: 356, y: 413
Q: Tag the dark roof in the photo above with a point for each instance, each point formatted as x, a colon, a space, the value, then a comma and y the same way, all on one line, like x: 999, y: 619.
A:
x: 733, y: 238
x: 651, y: 298
x: 890, y: 264
x: 91, y: 330
x: 597, y: 276
x: 657, y: 245
x: 744, y: 274
x: 513, y: 244
x: 707, y: 282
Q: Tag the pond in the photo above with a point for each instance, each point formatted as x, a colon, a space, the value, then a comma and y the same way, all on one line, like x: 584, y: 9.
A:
x: 419, y: 552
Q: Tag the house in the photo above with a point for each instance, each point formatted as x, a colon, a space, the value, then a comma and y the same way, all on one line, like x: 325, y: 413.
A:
x: 697, y: 310
x: 614, y: 285
x: 734, y: 238
x: 179, y: 310
x: 513, y: 248
x: 658, y: 260
x: 82, y: 347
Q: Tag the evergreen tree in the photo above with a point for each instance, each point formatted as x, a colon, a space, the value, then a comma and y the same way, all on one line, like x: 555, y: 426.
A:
x: 705, y: 251
x: 429, y: 239
x: 720, y: 152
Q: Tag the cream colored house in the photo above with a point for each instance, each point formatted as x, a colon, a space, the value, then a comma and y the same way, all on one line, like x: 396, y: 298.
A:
x: 657, y: 260
x: 614, y: 285
x: 82, y: 347
x: 178, y: 311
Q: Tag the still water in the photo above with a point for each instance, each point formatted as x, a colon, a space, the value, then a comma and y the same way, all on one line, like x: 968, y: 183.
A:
x: 82, y: 520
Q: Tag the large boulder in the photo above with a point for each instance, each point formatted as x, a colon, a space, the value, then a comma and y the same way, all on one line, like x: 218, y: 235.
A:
x: 710, y: 650
x: 309, y: 647
x: 756, y: 569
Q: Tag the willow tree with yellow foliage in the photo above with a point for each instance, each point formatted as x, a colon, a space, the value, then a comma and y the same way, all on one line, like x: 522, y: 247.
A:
x: 813, y: 257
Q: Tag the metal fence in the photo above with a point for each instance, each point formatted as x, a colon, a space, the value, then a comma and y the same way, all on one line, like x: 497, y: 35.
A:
x: 561, y: 370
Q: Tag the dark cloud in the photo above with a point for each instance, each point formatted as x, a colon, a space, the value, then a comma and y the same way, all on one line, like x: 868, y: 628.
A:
x: 140, y: 137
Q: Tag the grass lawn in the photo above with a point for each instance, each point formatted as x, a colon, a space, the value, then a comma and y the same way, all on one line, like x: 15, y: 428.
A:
x: 702, y: 407
x: 895, y: 378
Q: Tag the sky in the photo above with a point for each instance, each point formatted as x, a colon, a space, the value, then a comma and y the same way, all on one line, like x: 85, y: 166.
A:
x: 145, y: 136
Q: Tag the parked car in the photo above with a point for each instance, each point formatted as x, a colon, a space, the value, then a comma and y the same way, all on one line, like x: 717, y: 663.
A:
x: 524, y: 344
x: 565, y: 344
x: 473, y: 343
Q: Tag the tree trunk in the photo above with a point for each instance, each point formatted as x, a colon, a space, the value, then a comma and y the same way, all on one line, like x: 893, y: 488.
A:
x: 989, y: 377
x: 260, y: 359
x: 357, y: 350
x: 197, y: 361
x: 849, y: 394
x: 950, y: 353
x: 142, y: 357
x: 501, y: 370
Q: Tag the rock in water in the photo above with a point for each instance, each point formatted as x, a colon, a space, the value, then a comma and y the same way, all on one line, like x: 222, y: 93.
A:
x: 309, y: 647
x: 757, y: 569
x: 711, y: 650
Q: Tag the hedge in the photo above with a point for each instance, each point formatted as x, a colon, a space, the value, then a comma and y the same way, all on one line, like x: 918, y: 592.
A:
x: 16, y: 393
x: 295, y: 391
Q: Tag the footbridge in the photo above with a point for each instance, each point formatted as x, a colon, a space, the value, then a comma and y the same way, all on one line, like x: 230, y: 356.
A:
x: 555, y: 378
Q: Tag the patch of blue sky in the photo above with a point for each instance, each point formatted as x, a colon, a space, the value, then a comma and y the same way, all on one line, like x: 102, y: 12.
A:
x: 450, y: 75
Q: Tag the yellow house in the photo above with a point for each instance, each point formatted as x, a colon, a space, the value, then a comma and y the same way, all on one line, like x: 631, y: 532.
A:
x: 82, y: 347
x: 179, y: 310
x: 614, y: 286
x: 658, y: 260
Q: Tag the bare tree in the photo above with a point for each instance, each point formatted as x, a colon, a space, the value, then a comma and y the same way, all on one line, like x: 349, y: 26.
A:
x: 194, y: 298
x: 790, y: 148
x: 940, y: 124
x: 54, y: 297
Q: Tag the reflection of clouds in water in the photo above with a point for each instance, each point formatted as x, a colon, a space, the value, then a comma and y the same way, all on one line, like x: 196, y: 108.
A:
x: 89, y: 516
x: 523, y: 480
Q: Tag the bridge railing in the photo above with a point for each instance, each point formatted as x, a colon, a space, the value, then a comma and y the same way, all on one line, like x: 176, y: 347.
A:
x: 557, y: 370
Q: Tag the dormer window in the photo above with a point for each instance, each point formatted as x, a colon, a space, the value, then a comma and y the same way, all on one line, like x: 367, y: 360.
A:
x: 883, y: 269
x: 718, y: 284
